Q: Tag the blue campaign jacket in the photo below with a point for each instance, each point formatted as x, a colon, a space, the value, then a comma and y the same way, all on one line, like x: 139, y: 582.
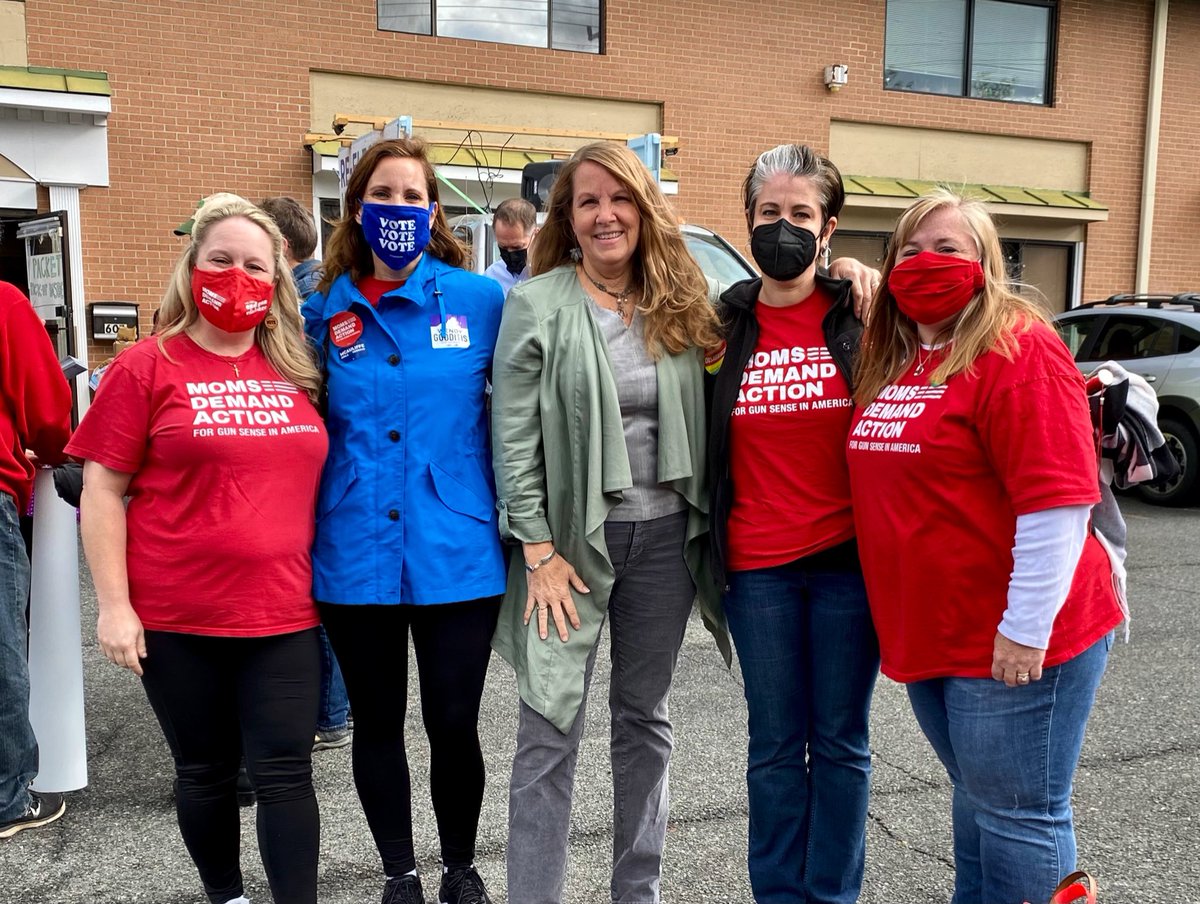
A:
x: 406, y: 512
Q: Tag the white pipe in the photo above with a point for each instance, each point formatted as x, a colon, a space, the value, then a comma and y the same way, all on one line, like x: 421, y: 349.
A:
x: 55, y: 661
x: 1158, y: 56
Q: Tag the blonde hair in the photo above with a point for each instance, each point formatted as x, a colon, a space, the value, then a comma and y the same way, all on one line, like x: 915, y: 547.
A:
x: 991, y: 321
x: 674, y: 303
x: 283, y: 344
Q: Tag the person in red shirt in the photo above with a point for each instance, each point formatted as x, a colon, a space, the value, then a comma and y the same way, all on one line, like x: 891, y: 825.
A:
x: 784, y: 538
x: 35, y: 415
x: 204, y: 582
x: 973, y: 471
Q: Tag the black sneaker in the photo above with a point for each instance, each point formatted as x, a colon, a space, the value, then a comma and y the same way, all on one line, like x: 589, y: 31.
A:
x: 403, y: 890
x: 462, y: 885
x: 44, y: 808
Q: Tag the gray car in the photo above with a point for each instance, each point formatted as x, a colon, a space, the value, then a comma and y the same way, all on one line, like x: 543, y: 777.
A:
x: 1158, y: 337
x: 719, y: 260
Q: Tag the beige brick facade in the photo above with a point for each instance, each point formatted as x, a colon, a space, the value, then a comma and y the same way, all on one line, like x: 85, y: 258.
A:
x: 212, y: 95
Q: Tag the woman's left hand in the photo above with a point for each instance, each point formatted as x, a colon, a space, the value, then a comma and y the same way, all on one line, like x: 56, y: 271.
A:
x: 864, y: 281
x: 1014, y: 663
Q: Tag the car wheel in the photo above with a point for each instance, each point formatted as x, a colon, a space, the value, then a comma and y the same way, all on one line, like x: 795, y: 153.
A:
x: 1182, y: 444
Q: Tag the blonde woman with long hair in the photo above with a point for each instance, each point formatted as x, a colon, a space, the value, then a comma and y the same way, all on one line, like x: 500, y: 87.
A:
x: 973, y: 471
x: 598, y: 447
x: 204, y: 583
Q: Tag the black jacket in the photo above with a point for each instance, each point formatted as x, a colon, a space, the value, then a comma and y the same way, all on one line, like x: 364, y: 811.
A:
x: 843, y: 331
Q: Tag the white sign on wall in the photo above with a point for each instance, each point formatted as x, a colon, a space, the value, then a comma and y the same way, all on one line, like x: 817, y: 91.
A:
x: 46, y: 285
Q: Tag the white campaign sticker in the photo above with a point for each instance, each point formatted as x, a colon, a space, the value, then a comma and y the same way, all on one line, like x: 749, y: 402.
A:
x: 456, y: 334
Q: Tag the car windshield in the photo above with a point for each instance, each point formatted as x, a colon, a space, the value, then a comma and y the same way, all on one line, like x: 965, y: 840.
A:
x: 715, y: 258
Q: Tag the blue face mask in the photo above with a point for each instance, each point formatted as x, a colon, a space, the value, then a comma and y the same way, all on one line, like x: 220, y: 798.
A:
x: 397, y: 233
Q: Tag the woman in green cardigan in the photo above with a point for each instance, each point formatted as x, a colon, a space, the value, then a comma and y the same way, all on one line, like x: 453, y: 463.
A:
x: 598, y: 419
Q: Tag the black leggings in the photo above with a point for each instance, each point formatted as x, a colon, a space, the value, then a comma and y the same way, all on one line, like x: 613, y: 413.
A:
x: 453, y: 645
x: 215, y: 697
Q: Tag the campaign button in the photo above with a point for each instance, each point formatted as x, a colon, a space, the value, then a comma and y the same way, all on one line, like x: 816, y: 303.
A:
x: 344, y: 328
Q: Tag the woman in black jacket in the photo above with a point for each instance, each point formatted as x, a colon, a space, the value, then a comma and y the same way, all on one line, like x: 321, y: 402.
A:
x: 783, y: 538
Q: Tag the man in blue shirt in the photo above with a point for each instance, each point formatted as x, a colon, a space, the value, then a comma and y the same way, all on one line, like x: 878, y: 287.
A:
x: 514, y: 224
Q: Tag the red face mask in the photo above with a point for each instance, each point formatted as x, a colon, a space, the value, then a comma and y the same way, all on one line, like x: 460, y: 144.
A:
x: 930, y: 287
x: 231, y: 299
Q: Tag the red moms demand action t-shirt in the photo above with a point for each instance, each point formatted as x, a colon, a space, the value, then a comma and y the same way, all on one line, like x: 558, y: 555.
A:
x: 225, y: 467
x: 939, y: 476
x: 787, y: 438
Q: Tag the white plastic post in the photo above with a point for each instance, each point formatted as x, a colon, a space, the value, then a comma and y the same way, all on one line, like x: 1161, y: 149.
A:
x: 55, y: 652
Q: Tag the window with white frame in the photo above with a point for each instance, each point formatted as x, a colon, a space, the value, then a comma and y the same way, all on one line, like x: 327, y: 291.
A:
x: 989, y: 49
x: 558, y: 24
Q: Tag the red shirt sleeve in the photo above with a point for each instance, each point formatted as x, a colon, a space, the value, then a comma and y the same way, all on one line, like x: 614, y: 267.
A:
x: 116, y: 429
x: 1036, y: 429
x: 33, y: 383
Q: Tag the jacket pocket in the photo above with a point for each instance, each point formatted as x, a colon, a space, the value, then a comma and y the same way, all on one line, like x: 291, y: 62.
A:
x: 464, y: 492
x: 335, y: 484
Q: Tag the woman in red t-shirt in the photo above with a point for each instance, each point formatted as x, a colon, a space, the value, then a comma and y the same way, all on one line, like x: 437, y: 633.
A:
x: 973, y: 471
x: 204, y: 582
x: 783, y: 538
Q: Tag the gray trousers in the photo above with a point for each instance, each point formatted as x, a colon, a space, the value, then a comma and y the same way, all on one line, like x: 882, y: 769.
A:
x: 647, y: 615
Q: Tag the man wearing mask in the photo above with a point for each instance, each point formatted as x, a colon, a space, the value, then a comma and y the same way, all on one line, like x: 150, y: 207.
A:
x: 35, y: 414
x: 514, y: 223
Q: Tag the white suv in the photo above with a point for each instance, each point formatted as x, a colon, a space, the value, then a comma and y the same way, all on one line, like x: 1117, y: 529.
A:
x: 1158, y: 337
x: 718, y: 259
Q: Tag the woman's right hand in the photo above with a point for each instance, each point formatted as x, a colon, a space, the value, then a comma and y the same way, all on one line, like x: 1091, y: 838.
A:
x: 121, y: 637
x: 550, y: 591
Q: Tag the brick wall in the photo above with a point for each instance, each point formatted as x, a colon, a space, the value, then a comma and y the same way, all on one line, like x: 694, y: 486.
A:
x: 212, y: 95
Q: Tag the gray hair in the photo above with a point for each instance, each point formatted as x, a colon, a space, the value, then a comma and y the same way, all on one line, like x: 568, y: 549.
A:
x: 795, y: 160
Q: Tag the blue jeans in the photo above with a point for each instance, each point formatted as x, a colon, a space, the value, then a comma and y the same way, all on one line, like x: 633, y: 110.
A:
x: 18, y: 747
x: 335, y: 704
x: 1011, y: 754
x: 809, y: 658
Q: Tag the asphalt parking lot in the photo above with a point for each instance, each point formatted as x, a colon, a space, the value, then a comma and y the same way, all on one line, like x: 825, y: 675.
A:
x: 1137, y: 792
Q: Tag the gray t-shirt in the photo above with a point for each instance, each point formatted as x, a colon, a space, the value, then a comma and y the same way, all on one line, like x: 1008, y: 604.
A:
x: 637, y: 392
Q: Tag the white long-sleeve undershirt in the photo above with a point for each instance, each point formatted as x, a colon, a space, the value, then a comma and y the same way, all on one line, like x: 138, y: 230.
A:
x: 1045, y: 554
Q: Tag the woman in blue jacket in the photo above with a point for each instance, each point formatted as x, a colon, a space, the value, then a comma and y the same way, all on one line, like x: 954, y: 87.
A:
x: 406, y: 535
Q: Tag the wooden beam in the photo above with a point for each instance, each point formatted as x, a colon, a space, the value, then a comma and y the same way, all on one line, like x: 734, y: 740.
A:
x: 378, y: 122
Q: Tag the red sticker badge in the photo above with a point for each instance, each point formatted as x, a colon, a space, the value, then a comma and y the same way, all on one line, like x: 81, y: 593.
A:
x: 344, y: 329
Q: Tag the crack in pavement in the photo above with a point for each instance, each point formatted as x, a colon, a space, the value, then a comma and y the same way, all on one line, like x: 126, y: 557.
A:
x: 895, y: 836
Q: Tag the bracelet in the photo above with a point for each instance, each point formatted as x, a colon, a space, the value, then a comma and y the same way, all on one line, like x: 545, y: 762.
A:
x: 540, y: 562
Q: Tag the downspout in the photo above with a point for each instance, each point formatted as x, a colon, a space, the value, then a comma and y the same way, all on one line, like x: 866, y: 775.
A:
x: 1158, y: 54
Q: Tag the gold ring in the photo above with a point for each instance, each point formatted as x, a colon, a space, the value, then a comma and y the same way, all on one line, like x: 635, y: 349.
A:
x: 1022, y: 676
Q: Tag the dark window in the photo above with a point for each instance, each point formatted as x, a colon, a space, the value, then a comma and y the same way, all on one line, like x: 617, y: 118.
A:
x: 558, y: 24
x: 1075, y: 332
x: 1189, y: 340
x: 331, y: 212
x: 990, y: 49
x: 1129, y: 338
